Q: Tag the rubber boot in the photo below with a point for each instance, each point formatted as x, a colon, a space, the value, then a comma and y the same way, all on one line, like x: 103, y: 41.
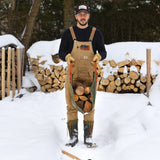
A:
x: 73, y: 132
x: 88, y: 128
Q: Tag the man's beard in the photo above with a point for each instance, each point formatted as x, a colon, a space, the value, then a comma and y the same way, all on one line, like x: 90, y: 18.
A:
x: 81, y: 23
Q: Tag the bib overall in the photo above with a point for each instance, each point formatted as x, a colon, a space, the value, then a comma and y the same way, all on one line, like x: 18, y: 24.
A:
x: 83, y: 54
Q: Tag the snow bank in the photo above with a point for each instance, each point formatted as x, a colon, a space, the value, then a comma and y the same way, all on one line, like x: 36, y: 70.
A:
x: 136, y: 50
x: 9, y: 39
x: 115, y: 51
x: 44, y: 48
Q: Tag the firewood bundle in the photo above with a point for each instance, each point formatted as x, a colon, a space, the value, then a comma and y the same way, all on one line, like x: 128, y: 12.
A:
x: 82, y: 97
x: 125, y: 79
x: 50, y: 79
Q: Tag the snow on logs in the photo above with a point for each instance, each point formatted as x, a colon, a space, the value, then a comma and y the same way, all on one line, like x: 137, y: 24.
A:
x: 50, y: 79
x: 122, y: 77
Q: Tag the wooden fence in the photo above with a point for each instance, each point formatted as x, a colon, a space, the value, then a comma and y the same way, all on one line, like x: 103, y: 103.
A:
x: 11, y: 69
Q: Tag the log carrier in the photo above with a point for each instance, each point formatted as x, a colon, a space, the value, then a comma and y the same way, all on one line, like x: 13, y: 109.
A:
x: 83, y: 97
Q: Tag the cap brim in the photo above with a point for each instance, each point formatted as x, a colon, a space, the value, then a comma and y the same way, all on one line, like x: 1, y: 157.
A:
x: 82, y: 10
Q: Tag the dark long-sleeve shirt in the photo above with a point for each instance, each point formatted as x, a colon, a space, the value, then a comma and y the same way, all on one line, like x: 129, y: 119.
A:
x: 66, y: 44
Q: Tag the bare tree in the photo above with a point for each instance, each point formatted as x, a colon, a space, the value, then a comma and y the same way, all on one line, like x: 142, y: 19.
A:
x: 68, y: 13
x: 26, y: 36
x: 11, y: 16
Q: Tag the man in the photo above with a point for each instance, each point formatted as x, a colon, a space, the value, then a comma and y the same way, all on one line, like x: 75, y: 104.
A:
x: 82, y: 45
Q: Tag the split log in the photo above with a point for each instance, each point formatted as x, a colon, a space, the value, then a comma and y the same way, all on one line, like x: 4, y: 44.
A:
x: 117, y: 82
x: 132, y: 86
x: 49, y: 80
x: 142, y: 87
x: 116, y: 74
x: 133, y: 81
x: 86, y: 90
x: 79, y: 90
x: 138, y: 84
x: 61, y: 85
x: 105, y: 82
x: 133, y: 62
x: 76, y: 97
x: 48, y: 72
x: 83, y: 98
x: 112, y: 63
x: 105, y: 62
x: 135, y: 89
x: 119, y: 88
x: 127, y: 80
x: 123, y: 63
x: 121, y: 69
x: 111, y: 87
x: 133, y: 75
x: 62, y: 78
x: 101, y: 87
x: 139, y: 62
x: 124, y: 87
x: 80, y: 104
x: 56, y: 72
x: 111, y: 78
x: 87, y: 107
x: 143, y: 79
x: 125, y: 75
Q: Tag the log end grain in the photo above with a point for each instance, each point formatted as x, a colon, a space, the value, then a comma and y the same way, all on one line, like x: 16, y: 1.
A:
x: 87, y: 107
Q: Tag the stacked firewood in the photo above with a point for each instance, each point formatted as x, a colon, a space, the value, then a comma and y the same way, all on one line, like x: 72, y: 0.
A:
x: 126, y: 79
x: 82, y: 97
x: 50, y: 79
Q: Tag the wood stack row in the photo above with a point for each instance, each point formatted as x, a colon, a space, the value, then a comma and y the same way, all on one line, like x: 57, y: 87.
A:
x: 51, y: 79
x: 11, y: 70
x: 82, y: 97
x: 124, y: 80
x: 121, y: 81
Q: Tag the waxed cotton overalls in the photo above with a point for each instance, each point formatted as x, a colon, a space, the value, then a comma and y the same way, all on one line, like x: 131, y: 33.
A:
x: 83, y: 54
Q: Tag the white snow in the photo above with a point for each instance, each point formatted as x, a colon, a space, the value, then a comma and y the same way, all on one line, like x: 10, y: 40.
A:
x: 117, y: 51
x: 126, y: 128
x: 10, y: 39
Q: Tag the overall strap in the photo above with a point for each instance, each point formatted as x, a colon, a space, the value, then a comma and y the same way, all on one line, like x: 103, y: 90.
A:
x: 92, y: 33
x: 72, y: 33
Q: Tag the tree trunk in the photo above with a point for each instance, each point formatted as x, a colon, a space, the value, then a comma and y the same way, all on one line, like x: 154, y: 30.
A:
x: 29, y: 27
x: 11, y: 15
x: 68, y: 13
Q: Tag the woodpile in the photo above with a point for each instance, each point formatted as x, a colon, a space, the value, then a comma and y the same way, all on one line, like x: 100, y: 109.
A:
x: 11, y: 70
x: 125, y: 79
x: 82, y: 97
x: 50, y: 79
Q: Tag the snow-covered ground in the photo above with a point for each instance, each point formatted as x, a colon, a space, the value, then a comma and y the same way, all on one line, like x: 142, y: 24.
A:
x: 34, y: 127
x: 126, y: 127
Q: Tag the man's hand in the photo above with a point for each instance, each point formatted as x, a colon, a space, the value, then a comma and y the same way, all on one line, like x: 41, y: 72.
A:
x: 69, y: 59
x: 97, y: 57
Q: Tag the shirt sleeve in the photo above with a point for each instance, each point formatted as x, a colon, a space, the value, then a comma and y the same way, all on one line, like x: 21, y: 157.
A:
x: 100, y: 44
x: 63, y: 49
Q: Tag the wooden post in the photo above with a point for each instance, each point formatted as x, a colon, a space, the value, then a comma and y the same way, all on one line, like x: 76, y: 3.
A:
x: 8, y: 71
x: 18, y: 70
x: 148, y: 70
x: 22, y: 63
x: 3, y: 73
x: 13, y: 72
